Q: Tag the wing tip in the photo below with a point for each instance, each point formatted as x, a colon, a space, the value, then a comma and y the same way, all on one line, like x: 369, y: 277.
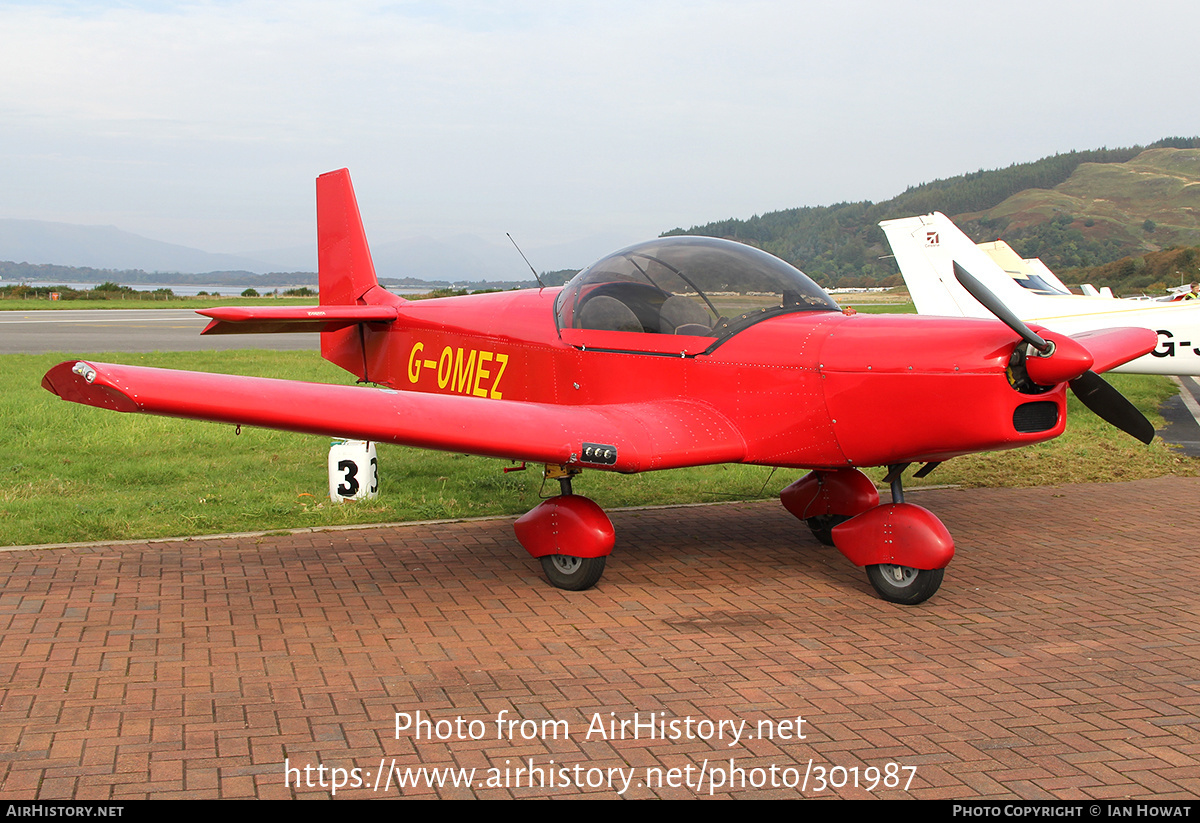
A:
x: 78, y: 381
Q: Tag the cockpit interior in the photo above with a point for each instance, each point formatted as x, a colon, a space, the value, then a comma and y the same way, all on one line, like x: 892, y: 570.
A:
x: 696, y: 286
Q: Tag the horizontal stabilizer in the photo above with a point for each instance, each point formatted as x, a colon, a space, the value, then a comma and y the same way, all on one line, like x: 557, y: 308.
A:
x: 275, y: 319
x: 636, y: 436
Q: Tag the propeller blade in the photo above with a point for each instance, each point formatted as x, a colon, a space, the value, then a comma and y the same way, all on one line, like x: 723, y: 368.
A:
x: 1105, y: 402
x: 993, y: 304
x: 1110, y: 405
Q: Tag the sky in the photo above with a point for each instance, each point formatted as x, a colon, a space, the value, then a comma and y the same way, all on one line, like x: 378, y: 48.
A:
x: 205, y: 123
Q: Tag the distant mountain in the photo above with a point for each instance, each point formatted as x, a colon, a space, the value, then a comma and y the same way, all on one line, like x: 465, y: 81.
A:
x: 457, y: 259
x: 1041, y: 208
x: 1076, y: 209
x: 107, y: 247
x: 465, y: 257
x: 424, y: 263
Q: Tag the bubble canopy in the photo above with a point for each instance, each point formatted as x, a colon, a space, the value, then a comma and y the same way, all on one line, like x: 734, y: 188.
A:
x: 698, y: 286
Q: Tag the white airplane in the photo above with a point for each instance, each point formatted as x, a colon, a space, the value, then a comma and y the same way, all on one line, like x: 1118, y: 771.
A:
x: 1091, y: 291
x: 1033, y: 274
x: 926, y: 248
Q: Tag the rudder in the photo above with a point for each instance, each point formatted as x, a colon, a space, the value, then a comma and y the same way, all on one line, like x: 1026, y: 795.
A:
x: 344, y: 267
x: 925, y: 248
x: 345, y: 272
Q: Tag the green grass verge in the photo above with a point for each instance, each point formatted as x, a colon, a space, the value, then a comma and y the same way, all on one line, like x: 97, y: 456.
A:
x: 883, y: 308
x: 74, y: 473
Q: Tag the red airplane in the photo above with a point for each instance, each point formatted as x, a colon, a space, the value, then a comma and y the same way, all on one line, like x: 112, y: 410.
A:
x: 681, y: 351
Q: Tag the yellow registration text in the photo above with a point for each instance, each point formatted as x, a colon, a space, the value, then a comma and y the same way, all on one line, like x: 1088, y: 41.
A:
x: 475, y: 372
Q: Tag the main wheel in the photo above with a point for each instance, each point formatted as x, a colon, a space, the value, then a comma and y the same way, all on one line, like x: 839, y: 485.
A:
x: 822, y: 526
x: 902, y: 584
x: 573, y: 573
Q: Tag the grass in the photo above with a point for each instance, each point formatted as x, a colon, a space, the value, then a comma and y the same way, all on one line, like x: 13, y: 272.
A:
x: 1090, y: 451
x: 907, y: 307
x: 74, y: 473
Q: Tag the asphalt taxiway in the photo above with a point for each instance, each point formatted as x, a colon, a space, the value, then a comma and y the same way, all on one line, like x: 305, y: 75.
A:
x: 128, y: 330
x: 1182, y: 416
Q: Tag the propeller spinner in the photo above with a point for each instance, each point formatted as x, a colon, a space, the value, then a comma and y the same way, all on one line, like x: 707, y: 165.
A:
x: 1063, y: 360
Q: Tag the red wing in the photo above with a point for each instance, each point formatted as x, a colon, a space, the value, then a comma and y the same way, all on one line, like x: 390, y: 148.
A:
x: 1110, y: 348
x: 643, y: 435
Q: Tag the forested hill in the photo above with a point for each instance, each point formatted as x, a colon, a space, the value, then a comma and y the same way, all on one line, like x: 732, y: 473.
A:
x: 842, y: 244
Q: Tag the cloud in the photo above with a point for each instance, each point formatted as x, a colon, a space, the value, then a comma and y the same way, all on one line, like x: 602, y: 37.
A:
x: 204, y: 123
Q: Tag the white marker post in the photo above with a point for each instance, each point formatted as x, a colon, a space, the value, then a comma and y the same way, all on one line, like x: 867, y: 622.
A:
x: 353, y: 470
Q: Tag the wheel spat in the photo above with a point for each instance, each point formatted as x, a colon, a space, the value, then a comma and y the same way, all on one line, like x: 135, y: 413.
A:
x: 1092, y: 390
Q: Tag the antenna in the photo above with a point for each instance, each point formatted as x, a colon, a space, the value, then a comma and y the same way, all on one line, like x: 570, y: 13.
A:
x: 541, y: 285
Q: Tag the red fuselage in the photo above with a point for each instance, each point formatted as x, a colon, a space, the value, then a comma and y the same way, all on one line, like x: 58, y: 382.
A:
x: 816, y: 389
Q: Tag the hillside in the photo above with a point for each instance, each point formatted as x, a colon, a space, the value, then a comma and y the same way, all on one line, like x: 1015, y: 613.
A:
x: 107, y: 247
x: 1076, y: 209
x: 1103, y: 211
x: 1152, y: 273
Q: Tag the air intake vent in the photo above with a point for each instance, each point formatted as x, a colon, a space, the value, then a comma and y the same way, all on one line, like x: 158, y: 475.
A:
x: 1035, y: 417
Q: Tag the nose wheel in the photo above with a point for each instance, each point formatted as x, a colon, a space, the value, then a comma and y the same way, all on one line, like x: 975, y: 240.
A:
x: 903, y: 584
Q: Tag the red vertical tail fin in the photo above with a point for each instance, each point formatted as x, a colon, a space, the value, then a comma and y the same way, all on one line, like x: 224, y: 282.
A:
x: 344, y: 264
x: 346, y: 273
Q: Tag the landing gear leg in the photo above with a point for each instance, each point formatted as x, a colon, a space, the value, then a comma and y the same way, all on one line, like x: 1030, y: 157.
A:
x: 570, y: 535
x: 902, y: 584
x: 564, y: 479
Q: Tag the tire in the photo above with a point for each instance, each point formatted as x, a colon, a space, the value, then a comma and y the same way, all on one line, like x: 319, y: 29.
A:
x: 822, y: 526
x: 573, y: 573
x: 901, y: 584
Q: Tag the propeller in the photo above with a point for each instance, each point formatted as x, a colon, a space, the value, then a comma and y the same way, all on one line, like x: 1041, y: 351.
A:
x: 1105, y: 402
x: 1111, y: 406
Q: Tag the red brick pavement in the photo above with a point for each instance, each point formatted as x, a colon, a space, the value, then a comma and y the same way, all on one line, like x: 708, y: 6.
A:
x: 1061, y: 658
